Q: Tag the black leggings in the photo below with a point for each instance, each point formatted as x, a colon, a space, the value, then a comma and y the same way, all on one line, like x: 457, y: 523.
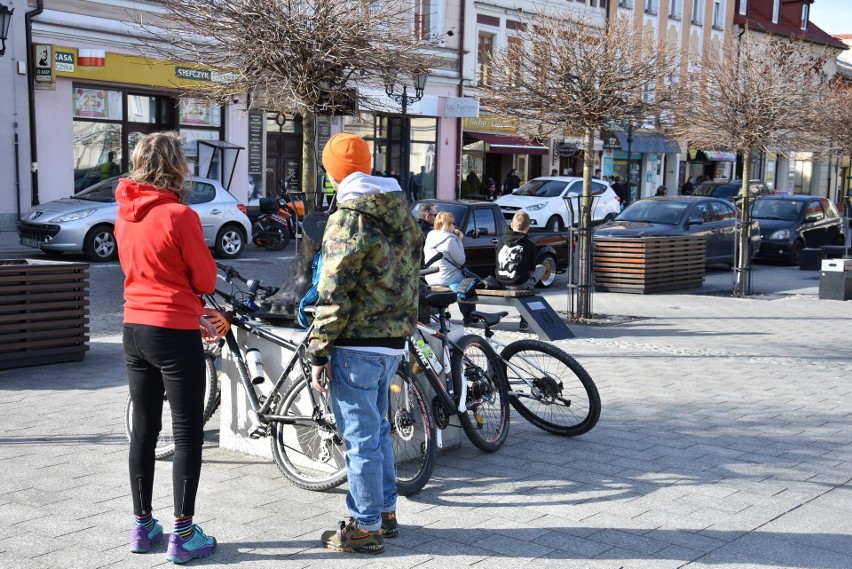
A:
x: 162, y: 360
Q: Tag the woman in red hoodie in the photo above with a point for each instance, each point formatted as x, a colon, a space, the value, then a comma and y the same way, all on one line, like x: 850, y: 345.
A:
x: 167, y: 265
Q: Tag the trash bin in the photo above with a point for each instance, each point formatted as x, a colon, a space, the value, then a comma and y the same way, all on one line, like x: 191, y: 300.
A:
x: 835, y: 279
x: 809, y: 259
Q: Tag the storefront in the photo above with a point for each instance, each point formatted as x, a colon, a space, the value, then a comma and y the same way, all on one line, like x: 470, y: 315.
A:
x: 93, y: 106
x: 710, y: 164
x: 491, y: 148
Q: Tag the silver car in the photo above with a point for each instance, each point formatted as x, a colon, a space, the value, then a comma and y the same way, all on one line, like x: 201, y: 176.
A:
x: 85, y: 221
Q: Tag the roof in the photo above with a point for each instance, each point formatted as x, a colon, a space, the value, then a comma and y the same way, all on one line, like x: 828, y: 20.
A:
x: 760, y: 19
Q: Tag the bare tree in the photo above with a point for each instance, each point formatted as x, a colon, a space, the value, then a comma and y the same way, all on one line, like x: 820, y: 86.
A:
x: 836, y: 122
x: 761, y: 93
x: 564, y: 72
x: 298, y: 57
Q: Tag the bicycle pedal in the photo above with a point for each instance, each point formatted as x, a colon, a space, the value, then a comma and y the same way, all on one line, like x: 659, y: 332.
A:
x: 257, y: 432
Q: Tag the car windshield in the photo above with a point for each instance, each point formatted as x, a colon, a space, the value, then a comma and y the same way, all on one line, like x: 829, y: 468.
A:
x: 768, y: 208
x: 541, y: 189
x: 717, y: 190
x: 102, y: 192
x: 666, y: 212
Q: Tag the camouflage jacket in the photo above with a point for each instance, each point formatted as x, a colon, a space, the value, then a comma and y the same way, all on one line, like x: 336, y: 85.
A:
x: 368, y: 283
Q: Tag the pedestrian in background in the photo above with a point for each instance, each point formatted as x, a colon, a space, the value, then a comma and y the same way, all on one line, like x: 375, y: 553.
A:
x: 661, y: 191
x: 367, y: 306
x: 511, y: 182
x: 167, y: 265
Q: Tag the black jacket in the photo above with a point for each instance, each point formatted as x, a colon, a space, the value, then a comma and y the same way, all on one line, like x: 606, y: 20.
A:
x: 515, y: 258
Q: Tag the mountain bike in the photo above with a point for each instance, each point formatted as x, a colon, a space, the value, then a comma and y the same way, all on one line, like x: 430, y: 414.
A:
x: 468, y: 379
x: 547, y: 386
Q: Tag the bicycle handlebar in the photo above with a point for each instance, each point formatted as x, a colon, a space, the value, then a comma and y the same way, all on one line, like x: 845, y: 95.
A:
x: 247, y: 305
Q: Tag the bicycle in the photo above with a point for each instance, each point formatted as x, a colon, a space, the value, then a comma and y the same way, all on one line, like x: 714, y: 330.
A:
x: 299, y: 421
x: 470, y: 383
x: 548, y: 387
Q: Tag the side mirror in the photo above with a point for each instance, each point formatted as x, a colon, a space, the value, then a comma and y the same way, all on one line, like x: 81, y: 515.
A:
x: 695, y: 220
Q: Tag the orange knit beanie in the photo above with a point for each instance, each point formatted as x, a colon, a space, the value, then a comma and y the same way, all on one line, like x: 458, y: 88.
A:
x: 344, y: 154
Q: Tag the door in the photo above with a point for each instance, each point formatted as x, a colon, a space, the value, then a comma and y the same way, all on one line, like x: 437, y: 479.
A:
x: 209, y: 210
x: 283, y: 162
x: 480, y: 240
x: 147, y: 114
x: 725, y: 220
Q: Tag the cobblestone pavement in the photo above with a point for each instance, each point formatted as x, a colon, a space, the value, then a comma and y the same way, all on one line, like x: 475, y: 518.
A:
x: 725, y: 441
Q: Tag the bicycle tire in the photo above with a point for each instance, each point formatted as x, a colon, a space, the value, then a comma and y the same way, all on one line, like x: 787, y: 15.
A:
x: 412, y: 437
x: 563, y: 399
x: 309, y: 454
x: 486, y: 424
x: 165, y: 441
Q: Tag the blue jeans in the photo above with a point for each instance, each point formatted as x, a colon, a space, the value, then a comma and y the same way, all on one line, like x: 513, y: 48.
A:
x: 359, y: 399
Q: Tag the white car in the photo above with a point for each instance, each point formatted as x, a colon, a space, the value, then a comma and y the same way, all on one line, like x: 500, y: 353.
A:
x: 544, y: 199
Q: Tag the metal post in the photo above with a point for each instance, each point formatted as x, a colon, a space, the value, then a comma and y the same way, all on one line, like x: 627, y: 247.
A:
x: 405, y: 151
x: 629, y: 160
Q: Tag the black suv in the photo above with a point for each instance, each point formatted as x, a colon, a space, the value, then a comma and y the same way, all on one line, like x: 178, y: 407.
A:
x: 788, y: 224
x: 731, y: 190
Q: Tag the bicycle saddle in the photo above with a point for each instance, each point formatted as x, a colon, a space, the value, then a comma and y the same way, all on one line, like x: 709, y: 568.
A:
x: 440, y: 299
x: 490, y: 318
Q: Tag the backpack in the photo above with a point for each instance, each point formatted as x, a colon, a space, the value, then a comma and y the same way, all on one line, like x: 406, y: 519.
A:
x: 312, y: 295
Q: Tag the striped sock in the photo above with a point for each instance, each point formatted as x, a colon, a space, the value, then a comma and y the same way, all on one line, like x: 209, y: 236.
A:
x: 147, y: 521
x: 184, y: 527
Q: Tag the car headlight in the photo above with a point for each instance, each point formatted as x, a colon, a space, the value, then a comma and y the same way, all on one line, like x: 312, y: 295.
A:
x: 73, y: 216
x: 536, y: 207
x: 780, y: 235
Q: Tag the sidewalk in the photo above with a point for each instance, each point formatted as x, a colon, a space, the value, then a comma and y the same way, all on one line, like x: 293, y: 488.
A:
x: 725, y: 441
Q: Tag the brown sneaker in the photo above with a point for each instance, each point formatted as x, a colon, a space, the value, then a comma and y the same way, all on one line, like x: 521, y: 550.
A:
x: 390, y: 529
x: 353, y: 540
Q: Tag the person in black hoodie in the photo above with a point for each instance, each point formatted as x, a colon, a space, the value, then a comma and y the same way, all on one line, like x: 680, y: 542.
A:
x: 516, y: 266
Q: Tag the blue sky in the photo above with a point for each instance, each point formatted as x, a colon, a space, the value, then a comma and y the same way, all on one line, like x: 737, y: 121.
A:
x: 833, y: 16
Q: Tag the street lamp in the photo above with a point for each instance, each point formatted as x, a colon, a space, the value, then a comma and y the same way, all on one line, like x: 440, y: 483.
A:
x: 5, y: 20
x: 404, y: 99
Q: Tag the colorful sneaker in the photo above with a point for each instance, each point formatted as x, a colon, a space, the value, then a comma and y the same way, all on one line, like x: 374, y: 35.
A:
x: 198, y: 545
x: 523, y: 326
x: 390, y: 529
x: 141, y: 537
x: 353, y: 540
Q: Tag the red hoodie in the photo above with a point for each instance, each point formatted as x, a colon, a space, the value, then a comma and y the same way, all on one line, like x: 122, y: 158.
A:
x: 165, y: 260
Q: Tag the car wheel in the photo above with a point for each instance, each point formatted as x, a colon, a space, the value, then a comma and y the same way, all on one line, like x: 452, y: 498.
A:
x: 99, y: 244
x: 555, y: 223
x: 230, y: 242
x: 549, y: 263
x: 795, y: 252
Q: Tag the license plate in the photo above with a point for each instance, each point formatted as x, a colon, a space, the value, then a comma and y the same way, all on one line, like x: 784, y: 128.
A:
x: 29, y: 242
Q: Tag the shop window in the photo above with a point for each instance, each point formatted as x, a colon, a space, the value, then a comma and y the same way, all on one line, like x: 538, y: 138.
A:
x: 199, y: 112
x: 93, y: 142
x: 94, y: 103
x: 485, y: 58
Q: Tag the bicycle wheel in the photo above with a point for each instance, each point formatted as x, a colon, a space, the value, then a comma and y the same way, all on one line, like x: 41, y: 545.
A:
x: 166, y: 441
x: 412, y: 435
x: 476, y: 366
x: 550, y: 389
x: 308, y: 451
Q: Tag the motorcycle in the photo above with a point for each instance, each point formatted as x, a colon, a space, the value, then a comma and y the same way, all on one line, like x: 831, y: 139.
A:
x: 276, y: 221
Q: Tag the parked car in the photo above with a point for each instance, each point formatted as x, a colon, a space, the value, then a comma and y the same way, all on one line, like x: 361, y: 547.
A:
x: 713, y: 218
x: 482, y: 224
x: 731, y: 190
x: 85, y: 221
x: 544, y: 200
x: 789, y: 223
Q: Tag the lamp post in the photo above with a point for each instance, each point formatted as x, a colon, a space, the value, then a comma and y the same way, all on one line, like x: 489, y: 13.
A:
x: 5, y: 20
x: 404, y: 99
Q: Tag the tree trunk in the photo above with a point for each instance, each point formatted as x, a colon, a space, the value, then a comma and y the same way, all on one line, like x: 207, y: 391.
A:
x: 284, y: 305
x: 584, y: 277
x: 742, y: 259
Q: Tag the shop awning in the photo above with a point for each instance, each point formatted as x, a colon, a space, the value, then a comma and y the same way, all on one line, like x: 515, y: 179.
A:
x: 502, y: 144
x: 720, y: 156
x: 648, y: 142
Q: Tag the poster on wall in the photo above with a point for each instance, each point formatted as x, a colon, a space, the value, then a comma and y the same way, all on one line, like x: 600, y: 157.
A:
x: 197, y: 111
x: 255, y: 157
x: 91, y: 103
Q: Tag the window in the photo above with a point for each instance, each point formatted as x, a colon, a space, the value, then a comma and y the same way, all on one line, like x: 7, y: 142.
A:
x: 652, y: 6
x: 675, y: 9
x: 422, y: 19
x: 697, y: 12
x: 625, y: 3
x: 515, y: 48
x: 744, y: 7
x: 718, y: 15
x: 201, y: 193
x: 776, y: 9
x: 806, y: 8
x: 814, y: 211
x: 484, y: 62
x: 597, y: 3
x: 483, y: 223
x: 723, y: 211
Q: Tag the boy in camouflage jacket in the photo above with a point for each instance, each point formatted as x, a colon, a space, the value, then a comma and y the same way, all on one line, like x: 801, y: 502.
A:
x: 367, y: 307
